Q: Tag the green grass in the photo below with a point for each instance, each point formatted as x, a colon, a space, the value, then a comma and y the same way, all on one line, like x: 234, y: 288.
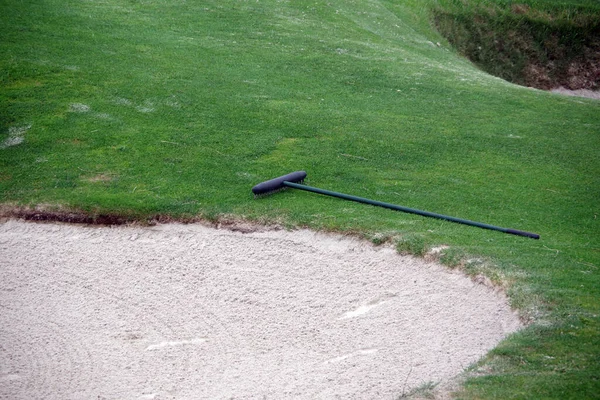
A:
x: 177, y: 108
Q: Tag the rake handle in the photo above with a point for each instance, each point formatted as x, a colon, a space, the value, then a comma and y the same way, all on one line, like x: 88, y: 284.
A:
x: 409, y: 210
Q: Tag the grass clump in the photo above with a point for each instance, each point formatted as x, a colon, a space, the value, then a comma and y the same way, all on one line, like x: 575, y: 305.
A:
x: 543, y: 45
x: 452, y: 257
x: 414, y: 244
x: 380, y: 238
x: 423, y: 391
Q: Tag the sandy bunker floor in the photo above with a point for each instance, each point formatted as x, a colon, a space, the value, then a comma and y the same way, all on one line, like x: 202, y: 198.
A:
x: 191, y: 312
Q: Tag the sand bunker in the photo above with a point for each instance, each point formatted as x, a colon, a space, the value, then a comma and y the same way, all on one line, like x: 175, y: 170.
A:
x: 191, y: 312
x: 590, y: 94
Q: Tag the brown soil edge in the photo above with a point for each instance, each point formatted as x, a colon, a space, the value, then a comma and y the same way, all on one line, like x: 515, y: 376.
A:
x: 71, y: 217
x: 60, y: 214
x: 52, y: 213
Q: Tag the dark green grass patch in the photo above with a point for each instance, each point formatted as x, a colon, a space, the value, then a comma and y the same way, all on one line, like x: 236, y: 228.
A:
x: 177, y: 108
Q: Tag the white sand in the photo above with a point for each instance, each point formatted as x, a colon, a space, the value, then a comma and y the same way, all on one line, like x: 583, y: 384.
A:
x: 191, y: 312
x: 591, y: 94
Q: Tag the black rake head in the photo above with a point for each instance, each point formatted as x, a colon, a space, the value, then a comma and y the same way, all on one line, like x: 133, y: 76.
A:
x: 277, y: 184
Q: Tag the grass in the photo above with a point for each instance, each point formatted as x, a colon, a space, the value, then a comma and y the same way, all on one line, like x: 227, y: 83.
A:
x: 412, y: 244
x: 423, y: 391
x: 175, y: 108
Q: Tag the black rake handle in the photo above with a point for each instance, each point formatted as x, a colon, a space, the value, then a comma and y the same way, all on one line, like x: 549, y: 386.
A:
x: 409, y: 210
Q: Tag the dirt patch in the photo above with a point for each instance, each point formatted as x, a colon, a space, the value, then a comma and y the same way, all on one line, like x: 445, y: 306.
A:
x: 73, y: 217
x: 99, y: 178
x: 189, y: 311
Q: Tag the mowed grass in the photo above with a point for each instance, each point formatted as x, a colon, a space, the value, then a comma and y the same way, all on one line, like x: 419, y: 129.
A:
x: 177, y: 108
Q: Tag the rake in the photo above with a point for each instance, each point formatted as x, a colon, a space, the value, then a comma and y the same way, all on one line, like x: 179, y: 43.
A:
x: 295, y: 180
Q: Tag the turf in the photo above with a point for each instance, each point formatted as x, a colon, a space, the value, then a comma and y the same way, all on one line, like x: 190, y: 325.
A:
x: 178, y: 108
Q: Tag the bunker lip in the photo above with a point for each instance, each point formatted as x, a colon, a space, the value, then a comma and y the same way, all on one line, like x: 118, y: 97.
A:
x: 58, y: 214
x: 190, y: 311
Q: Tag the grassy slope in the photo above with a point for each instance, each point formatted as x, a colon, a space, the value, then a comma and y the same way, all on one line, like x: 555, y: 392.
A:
x: 174, y: 107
